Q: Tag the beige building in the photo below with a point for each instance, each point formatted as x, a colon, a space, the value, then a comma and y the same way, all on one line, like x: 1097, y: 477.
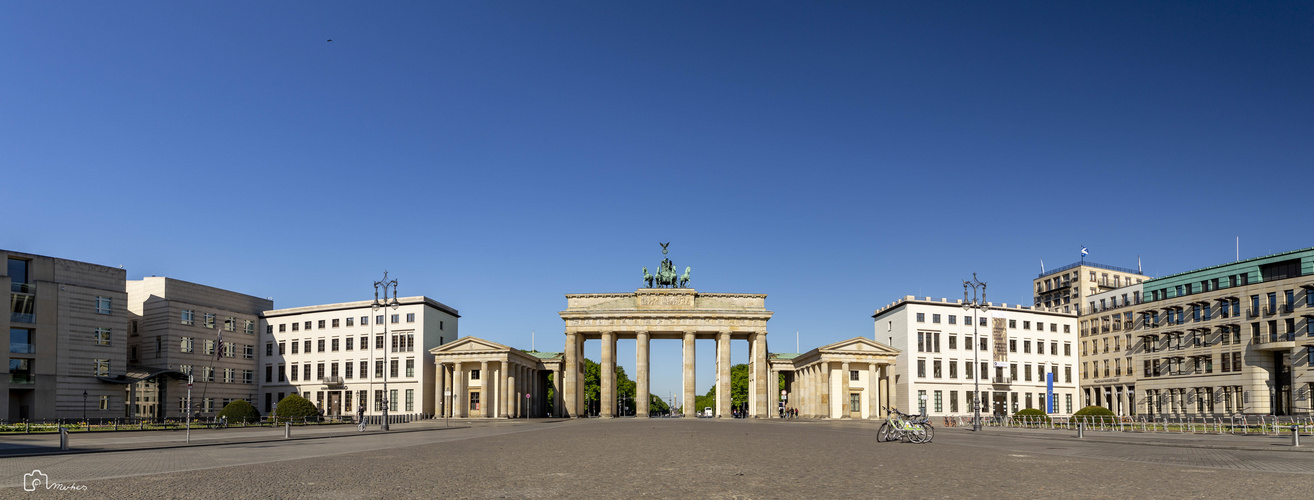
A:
x: 1228, y: 339
x: 341, y: 356
x: 66, y: 329
x: 945, y: 352
x: 850, y: 379
x: 182, y: 329
x: 1108, y: 374
x: 1067, y: 288
x: 477, y: 378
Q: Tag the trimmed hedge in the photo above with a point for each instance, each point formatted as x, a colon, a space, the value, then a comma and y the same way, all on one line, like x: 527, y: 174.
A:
x: 296, y: 407
x: 1031, y: 415
x: 239, y: 411
x: 1095, y: 415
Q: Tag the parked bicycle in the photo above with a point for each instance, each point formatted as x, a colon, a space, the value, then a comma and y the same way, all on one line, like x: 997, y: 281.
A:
x: 899, y: 426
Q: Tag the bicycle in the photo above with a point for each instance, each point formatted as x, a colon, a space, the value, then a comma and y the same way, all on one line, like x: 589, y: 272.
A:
x: 900, y: 426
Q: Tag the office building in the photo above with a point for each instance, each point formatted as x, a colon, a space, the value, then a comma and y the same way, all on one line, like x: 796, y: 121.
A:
x: 1066, y: 288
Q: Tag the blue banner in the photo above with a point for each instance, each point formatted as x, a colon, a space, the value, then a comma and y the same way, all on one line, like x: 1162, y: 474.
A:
x: 1049, y: 392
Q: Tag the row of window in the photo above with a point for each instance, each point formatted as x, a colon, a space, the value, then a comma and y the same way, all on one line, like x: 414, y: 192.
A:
x: 930, y: 342
x: 1118, y: 342
x: 188, y: 317
x: 351, y: 321
x: 937, y: 401
x: 1106, y: 324
x: 1115, y: 372
x: 347, y: 372
x: 401, y: 342
x: 347, y: 403
x: 226, y: 349
x: 937, y: 370
x: 1204, y: 399
x: 225, y: 375
x: 1194, y: 365
x: 1012, y: 323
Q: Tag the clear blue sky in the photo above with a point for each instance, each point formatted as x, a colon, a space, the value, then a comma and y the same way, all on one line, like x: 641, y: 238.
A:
x: 498, y: 155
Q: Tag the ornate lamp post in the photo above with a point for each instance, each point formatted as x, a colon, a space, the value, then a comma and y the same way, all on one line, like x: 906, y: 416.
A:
x: 980, y: 305
x: 386, y: 303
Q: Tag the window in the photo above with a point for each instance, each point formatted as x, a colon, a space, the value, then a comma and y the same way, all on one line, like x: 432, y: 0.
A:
x: 935, y: 318
x: 921, y: 317
x: 320, y: 345
x: 378, y: 320
x: 983, y: 321
x: 953, y: 320
x: 1012, y: 323
x: 953, y: 401
x: 935, y: 365
x: 305, y: 370
x: 248, y: 327
x: 364, y: 369
x: 102, y: 336
x: 305, y: 346
x: 209, y: 320
x: 319, y: 371
x: 939, y: 401
x: 269, y: 348
x: 410, y: 317
x: 1026, y: 346
x: 248, y: 352
x: 188, y: 344
x: 921, y: 402
x: 1012, y: 345
x: 392, y: 399
x: 953, y: 341
x: 953, y: 369
x: 188, y: 317
x: 102, y: 305
x: 350, y: 341
x: 392, y: 368
x: 348, y: 369
x: 269, y: 373
x: 378, y: 370
x: 410, y: 369
x: 248, y: 377
x: 333, y: 344
x: 351, y: 321
x: 230, y: 324
x: 364, y: 320
x: 410, y: 399
x: 100, y: 367
x: 921, y: 368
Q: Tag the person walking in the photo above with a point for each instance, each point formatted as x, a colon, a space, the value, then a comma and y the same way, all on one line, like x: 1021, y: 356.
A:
x: 360, y: 417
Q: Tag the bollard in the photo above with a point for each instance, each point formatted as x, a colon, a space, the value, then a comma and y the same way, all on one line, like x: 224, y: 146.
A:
x: 1081, y: 430
x: 1295, y: 435
x: 63, y: 439
x: 287, y: 430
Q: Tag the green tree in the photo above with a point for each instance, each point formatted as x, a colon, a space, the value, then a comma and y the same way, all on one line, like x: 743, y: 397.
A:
x: 625, y: 388
x: 295, y: 407
x: 239, y: 411
x: 657, y: 405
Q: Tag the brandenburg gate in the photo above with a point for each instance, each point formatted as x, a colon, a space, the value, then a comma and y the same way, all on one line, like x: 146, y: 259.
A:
x: 669, y: 311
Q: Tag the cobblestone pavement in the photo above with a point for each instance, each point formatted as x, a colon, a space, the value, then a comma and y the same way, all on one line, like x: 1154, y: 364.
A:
x: 657, y: 457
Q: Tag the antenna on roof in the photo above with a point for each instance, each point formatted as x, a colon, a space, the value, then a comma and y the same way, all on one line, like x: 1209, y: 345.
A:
x: 531, y: 341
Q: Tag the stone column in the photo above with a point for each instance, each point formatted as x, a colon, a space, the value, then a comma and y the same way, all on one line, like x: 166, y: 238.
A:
x: 458, y: 391
x: 804, y: 393
x: 844, y: 391
x: 886, y: 390
x: 689, y: 409
x: 873, y: 391
x: 502, y: 397
x: 608, y: 375
x: 762, y: 407
x: 558, y: 401
x: 723, y: 374
x: 828, y: 394
x: 641, y: 375
x: 568, y: 404
x: 485, y: 391
x: 773, y: 394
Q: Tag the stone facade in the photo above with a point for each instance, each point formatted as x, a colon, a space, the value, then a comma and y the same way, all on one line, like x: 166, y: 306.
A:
x: 477, y: 378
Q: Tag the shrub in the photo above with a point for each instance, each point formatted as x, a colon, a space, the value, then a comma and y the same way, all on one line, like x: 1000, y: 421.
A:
x: 1094, y: 415
x: 1031, y: 415
x: 239, y: 411
x: 295, y: 407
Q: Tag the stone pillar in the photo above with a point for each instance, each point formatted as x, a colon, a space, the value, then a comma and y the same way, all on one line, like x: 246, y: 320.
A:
x: 608, y: 375
x: 558, y: 402
x: 873, y: 392
x: 502, y: 397
x: 773, y: 394
x: 844, y: 391
x: 723, y: 374
x: 458, y: 391
x: 569, y: 401
x: 641, y: 375
x: 886, y: 389
x: 485, y: 391
x: 689, y: 388
x: 763, y: 406
x: 804, y: 393
x: 828, y: 394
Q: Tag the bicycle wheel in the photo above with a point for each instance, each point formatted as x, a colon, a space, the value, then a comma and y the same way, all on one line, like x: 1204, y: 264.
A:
x: 885, y: 434
x: 930, y: 431
x: 916, y: 434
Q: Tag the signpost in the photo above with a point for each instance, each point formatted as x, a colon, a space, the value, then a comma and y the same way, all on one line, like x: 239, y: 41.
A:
x: 189, y: 409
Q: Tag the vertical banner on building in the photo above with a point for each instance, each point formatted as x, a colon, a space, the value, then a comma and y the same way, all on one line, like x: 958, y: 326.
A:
x: 1049, y: 392
x: 1000, y: 333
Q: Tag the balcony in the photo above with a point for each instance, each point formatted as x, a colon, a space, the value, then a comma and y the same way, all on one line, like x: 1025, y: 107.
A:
x: 22, y: 287
x: 1004, y: 380
x: 1274, y: 341
x: 333, y: 381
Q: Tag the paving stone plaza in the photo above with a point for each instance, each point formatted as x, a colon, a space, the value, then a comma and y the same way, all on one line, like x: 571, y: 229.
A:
x: 620, y: 458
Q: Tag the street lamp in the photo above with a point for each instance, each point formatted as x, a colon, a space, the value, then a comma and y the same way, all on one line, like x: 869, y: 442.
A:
x: 386, y: 303
x: 981, y: 306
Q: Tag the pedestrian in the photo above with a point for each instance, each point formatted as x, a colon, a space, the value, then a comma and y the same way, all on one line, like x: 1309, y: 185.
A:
x: 360, y: 417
